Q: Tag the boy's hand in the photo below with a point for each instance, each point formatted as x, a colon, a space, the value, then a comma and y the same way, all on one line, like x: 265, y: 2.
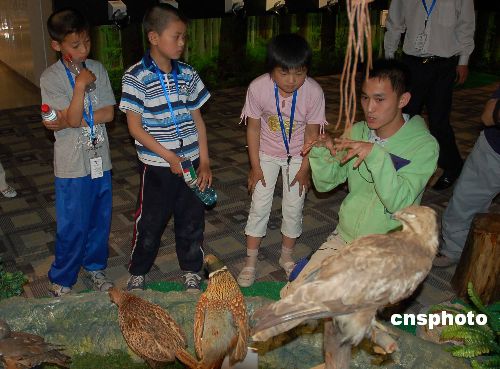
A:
x: 85, y: 78
x: 303, y: 178
x: 175, y: 164
x: 56, y: 125
x: 254, y: 176
x: 361, y: 149
x: 204, y: 177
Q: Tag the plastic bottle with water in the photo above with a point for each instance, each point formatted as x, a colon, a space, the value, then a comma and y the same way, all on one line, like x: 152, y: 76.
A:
x: 76, y: 68
x: 208, y: 196
x: 48, y: 113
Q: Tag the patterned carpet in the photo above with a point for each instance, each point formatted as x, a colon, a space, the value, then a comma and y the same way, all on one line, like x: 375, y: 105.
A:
x: 27, y: 223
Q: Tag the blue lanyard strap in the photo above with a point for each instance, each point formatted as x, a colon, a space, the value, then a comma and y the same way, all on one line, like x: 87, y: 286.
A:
x: 429, y: 11
x: 167, y: 96
x: 280, y: 118
x: 89, y: 118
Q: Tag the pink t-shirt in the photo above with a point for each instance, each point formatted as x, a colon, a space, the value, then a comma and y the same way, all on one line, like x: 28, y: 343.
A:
x: 261, y: 104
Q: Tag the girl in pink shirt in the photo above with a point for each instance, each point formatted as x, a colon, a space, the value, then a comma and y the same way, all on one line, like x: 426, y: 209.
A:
x: 283, y: 108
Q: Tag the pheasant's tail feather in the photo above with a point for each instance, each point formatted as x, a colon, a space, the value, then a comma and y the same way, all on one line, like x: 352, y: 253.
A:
x: 270, y: 323
x: 187, y: 359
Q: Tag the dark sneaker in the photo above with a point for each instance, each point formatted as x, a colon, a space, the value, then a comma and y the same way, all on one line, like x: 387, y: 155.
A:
x: 136, y: 282
x: 98, y: 278
x: 191, y: 282
x: 57, y: 290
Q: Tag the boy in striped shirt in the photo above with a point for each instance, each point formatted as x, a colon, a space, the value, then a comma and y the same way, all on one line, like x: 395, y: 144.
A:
x: 161, y: 97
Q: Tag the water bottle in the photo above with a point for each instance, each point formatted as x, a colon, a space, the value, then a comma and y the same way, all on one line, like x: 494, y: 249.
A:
x: 208, y: 196
x: 48, y: 113
x: 76, y: 68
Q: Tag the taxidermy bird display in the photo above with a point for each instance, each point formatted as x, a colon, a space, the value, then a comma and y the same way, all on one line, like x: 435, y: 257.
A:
x: 150, y: 331
x: 220, y: 324
x: 352, y: 284
x: 21, y: 350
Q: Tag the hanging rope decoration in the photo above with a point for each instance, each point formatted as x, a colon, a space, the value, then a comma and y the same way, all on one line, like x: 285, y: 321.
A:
x: 359, y: 30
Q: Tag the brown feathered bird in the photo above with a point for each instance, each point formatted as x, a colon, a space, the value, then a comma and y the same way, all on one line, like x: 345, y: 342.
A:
x: 21, y: 350
x: 220, y: 324
x: 150, y: 331
x: 351, y: 285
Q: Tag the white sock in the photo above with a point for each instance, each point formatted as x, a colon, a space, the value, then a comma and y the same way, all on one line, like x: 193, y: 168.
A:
x: 286, y: 254
x: 251, y: 260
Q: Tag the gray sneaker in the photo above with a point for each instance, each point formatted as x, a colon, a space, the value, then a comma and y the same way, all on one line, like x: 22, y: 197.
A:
x: 136, y: 282
x: 56, y: 290
x: 191, y: 282
x: 98, y: 278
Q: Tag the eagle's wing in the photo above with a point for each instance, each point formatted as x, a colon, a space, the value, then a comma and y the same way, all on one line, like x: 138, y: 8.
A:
x: 371, y: 272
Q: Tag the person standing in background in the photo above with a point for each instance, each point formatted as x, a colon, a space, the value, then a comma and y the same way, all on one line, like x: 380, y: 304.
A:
x: 439, y: 39
x: 476, y: 187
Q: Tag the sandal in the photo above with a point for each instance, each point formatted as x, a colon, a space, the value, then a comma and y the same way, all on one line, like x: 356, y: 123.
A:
x: 247, y: 276
x: 287, y: 266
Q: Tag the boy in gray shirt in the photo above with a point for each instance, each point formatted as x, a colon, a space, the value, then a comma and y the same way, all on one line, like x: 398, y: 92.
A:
x: 82, y: 164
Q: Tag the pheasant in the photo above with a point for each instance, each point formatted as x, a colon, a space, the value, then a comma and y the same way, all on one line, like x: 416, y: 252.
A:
x: 220, y: 324
x: 150, y: 331
x: 21, y: 350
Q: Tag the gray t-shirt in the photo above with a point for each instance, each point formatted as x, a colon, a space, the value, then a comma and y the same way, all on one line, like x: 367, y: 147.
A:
x: 73, y: 148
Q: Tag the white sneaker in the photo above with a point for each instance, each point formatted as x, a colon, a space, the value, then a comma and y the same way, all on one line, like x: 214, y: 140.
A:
x: 9, y: 192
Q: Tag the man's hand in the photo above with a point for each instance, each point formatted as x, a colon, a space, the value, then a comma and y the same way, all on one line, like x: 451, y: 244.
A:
x: 462, y: 73
x: 254, y: 176
x: 361, y: 149
x: 303, y: 178
x: 204, y: 176
x: 324, y: 140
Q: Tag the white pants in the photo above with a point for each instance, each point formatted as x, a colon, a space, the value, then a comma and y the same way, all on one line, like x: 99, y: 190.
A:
x: 262, y: 199
x: 3, y: 183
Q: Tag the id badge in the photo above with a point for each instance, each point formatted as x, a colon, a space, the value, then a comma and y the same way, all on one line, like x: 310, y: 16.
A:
x: 420, y: 41
x: 96, y: 167
x: 188, y: 170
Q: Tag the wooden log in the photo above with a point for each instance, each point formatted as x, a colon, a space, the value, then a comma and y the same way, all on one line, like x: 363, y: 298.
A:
x: 480, y: 260
x: 337, y: 354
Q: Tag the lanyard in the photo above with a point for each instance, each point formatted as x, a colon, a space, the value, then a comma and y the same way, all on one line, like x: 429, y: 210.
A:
x: 280, y: 118
x: 89, y: 118
x: 428, y: 11
x: 167, y: 96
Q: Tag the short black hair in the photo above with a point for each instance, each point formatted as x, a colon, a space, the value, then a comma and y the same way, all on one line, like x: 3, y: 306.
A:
x: 65, y: 22
x: 159, y: 16
x: 395, y: 71
x: 288, y: 51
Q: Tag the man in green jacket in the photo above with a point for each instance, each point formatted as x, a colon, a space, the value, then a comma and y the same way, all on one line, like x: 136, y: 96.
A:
x: 387, y: 161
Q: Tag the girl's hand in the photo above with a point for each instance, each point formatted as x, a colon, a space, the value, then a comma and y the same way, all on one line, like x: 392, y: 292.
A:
x: 204, y: 176
x: 304, y: 180
x: 254, y: 176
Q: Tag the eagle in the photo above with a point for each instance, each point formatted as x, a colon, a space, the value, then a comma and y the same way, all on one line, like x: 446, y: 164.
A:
x: 351, y: 285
